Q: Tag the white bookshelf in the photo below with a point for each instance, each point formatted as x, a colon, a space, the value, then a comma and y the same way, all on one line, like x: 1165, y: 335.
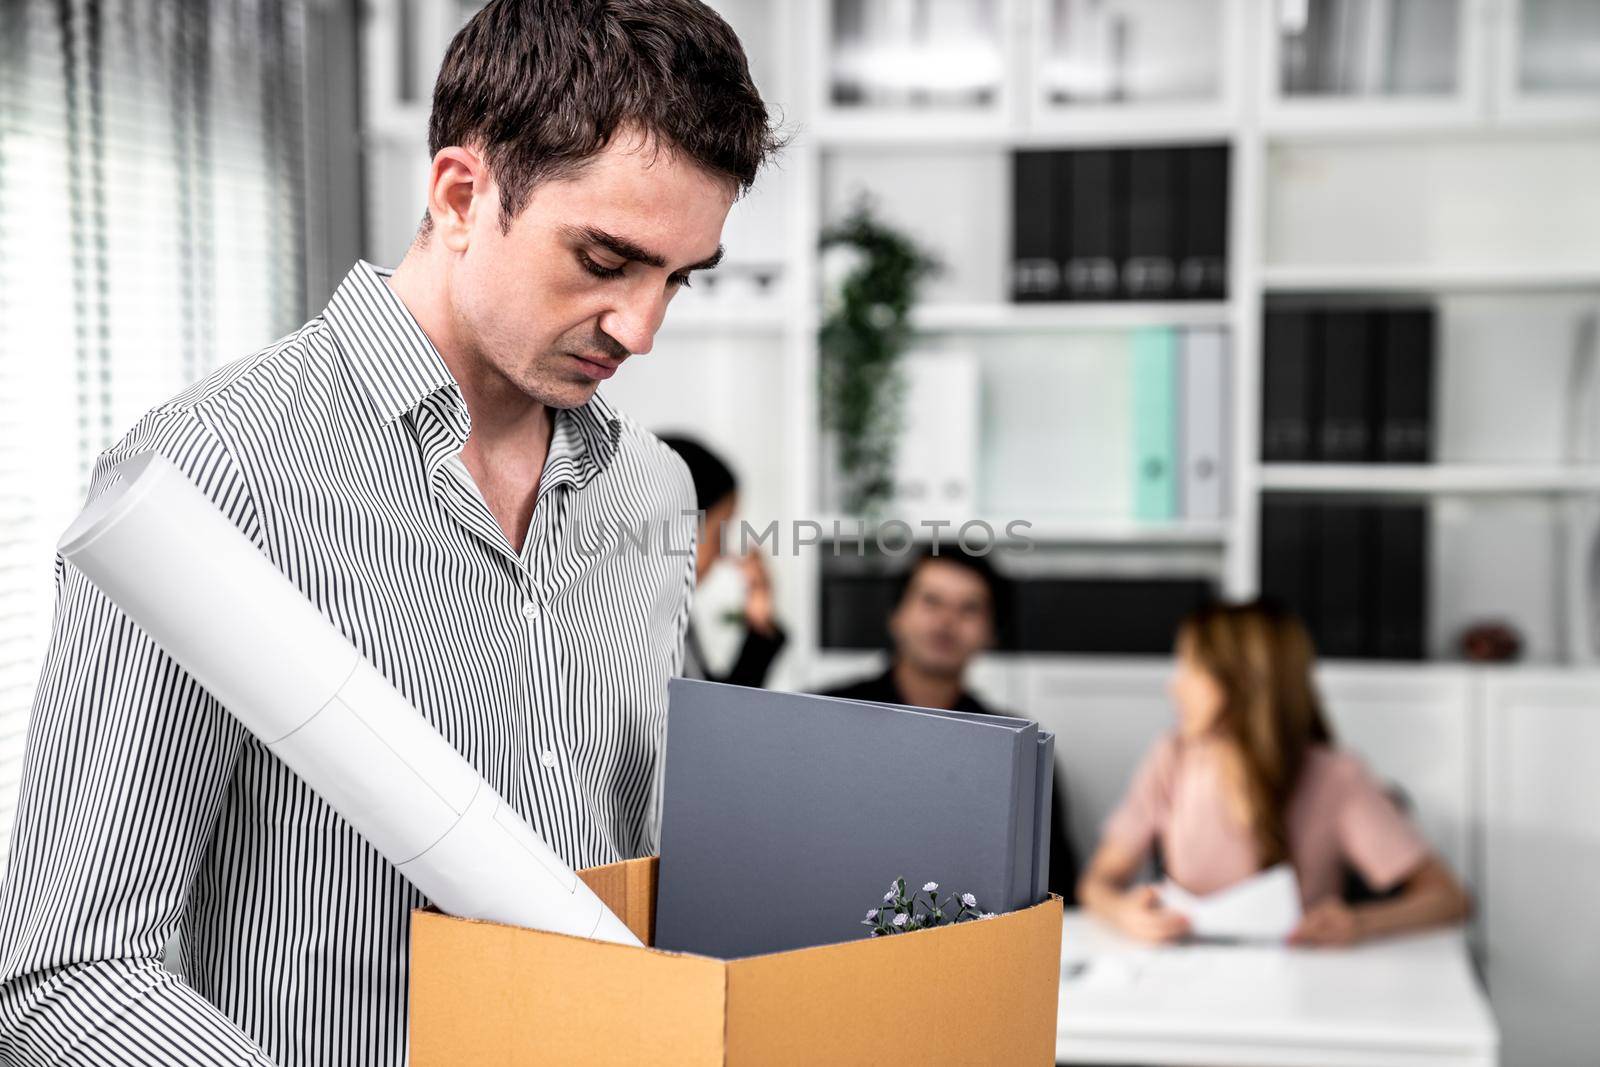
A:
x: 1457, y: 479
x: 1057, y: 530
x: 1170, y: 127
x: 1304, y: 220
x: 1366, y: 278
x: 1257, y: 123
x: 1023, y: 318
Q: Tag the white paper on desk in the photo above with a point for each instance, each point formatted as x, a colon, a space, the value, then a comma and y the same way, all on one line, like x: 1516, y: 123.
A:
x: 1265, y: 907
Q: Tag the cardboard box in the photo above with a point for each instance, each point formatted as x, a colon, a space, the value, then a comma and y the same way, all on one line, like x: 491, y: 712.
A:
x: 500, y: 996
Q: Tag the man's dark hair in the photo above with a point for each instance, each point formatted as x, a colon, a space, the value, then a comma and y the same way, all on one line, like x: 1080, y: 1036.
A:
x: 713, y: 479
x: 540, y: 86
x: 953, y: 553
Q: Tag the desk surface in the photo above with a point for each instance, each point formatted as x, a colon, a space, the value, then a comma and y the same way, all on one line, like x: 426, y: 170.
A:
x: 1398, y: 1002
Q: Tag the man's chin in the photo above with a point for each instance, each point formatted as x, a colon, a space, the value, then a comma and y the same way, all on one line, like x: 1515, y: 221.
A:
x: 941, y: 666
x: 575, y: 395
x: 563, y: 394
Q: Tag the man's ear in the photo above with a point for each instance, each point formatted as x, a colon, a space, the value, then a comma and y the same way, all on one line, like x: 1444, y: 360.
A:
x: 458, y: 188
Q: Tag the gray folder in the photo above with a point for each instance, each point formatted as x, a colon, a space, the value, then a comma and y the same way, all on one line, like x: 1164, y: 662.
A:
x: 786, y: 816
x: 1043, y: 809
x: 1043, y: 786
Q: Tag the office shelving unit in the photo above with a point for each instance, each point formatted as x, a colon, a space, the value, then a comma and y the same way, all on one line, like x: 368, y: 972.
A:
x: 1478, y: 106
x: 1507, y: 122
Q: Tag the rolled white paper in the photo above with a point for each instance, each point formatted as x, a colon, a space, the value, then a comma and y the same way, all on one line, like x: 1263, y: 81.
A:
x: 157, y: 546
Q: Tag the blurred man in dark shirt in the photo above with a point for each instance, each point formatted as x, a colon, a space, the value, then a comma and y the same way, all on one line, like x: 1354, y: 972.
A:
x: 946, y: 614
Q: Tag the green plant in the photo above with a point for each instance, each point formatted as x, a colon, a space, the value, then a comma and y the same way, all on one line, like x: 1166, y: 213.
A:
x: 865, y: 328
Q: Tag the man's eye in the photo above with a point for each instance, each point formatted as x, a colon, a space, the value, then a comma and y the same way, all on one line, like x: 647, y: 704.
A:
x: 596, y: 269
x: 680, y: 280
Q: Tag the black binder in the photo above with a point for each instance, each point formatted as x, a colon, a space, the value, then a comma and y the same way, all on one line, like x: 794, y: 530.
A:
x: 1344, y: 433
x: 1203, y: 251
x: 1288, y: 531
x: 1094, y: 224
x: 1038, y: 222
x: 1407, y: 375
x: 1289, y: 386
x: 1399, y: 625
x: 1105, y: 615
x: 1342, y: 579
x: 856, y: 609
x: 1149, y: 265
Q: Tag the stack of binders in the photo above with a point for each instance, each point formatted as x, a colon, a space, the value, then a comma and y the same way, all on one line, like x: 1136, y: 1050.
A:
x: 1356, y: 571
x: 1348, y: 385
x: 1120, y: 224
x: 785, y: 817
x: 1096, y: 614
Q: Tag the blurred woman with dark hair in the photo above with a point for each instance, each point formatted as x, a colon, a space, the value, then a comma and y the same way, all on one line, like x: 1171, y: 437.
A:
x: 716, y: 492
x: 1250, y: 779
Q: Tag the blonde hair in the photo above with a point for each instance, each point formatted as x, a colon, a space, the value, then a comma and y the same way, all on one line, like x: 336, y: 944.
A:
x: 1261, y: 657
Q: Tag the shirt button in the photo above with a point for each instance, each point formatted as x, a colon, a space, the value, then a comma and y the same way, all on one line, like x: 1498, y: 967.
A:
x: 548, y: 757
x: 530, y: 610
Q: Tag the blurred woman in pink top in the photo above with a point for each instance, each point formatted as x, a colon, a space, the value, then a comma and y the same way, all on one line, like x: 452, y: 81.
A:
x: 1251, y: 778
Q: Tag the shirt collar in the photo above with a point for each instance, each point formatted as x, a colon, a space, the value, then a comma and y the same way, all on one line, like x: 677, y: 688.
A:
x: 399, y: 367
x: 582, y: 442
x: 390, y: 355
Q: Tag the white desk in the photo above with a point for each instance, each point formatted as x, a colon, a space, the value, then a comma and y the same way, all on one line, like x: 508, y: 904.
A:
x: 1403, y: 1002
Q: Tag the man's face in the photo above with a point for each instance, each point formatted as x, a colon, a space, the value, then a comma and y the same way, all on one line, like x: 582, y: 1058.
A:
x: 944, y: 619
x: 583, y: 277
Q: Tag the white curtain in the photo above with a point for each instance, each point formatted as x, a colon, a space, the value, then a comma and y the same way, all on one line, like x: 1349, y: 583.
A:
x: 151, y: 228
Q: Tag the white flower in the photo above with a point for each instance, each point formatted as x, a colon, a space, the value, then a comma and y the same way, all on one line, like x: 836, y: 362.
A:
x: 888, y: 898
x: 873, y: 914
x: 969, y: 900
x: 931, y: 887
x: 900, y: 920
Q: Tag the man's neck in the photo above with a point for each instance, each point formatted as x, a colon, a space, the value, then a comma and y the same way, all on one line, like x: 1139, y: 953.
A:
x: 506, y: 422
x: 506, y: 448
x: 924, y: 690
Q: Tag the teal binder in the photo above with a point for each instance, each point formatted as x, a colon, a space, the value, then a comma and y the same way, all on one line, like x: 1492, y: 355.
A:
x: 1155, y: 438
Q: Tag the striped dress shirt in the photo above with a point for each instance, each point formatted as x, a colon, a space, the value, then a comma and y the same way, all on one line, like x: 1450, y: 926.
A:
x: 147, y: 810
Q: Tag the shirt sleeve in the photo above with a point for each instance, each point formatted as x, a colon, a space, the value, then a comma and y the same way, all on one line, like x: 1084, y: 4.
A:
x: 1138, y: 819
x: 125, y: 768
x: 1375, y: 836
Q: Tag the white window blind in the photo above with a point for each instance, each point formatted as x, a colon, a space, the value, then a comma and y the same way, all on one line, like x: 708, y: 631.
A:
x: 151, y: 202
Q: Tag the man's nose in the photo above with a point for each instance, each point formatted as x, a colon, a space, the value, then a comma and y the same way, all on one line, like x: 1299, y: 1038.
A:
x: 633, y: 322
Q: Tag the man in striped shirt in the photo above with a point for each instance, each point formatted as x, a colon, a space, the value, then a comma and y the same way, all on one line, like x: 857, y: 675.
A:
x: 429, y: 462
